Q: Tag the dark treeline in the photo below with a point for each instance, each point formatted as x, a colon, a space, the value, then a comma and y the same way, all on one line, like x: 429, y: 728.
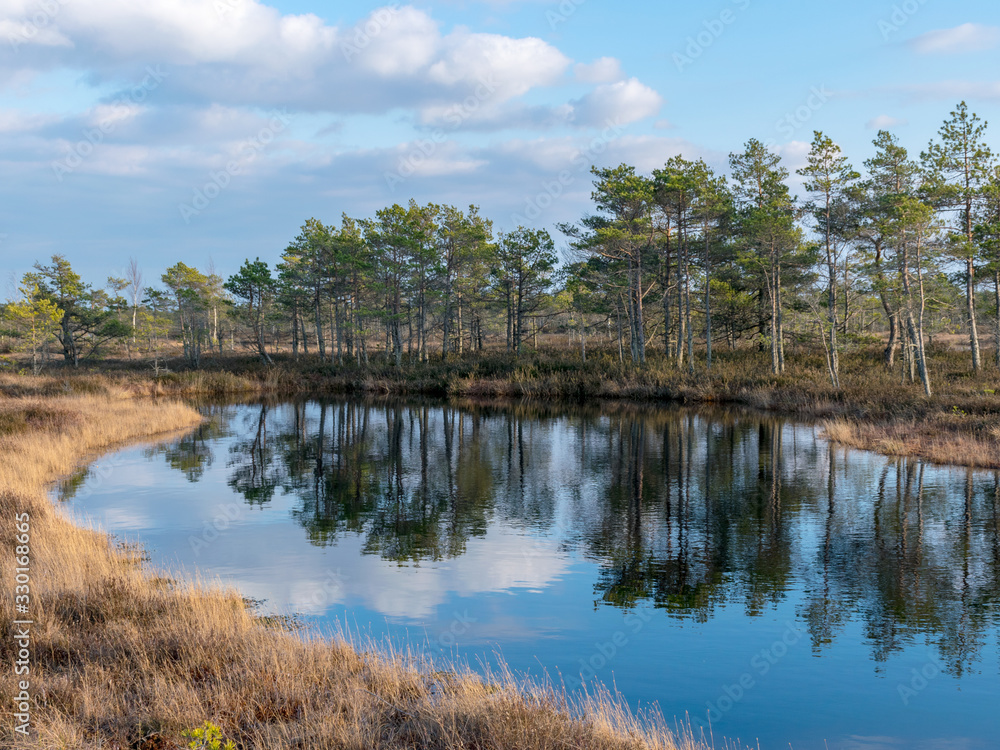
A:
x: 682, y: 261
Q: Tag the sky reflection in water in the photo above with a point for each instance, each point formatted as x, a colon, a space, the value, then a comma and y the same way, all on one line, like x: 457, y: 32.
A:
x: 718, y: 564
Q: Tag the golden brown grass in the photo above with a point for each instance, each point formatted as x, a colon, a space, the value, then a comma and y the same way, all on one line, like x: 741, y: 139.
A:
x: 937, y: 440
x: 957, y: 425
x: 122, y: 659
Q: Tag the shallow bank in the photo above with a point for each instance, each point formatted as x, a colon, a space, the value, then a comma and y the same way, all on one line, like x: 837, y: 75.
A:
x: 122, y: 658
x: 875, y: 409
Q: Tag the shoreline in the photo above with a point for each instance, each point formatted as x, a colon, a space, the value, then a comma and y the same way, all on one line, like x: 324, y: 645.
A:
x: 104, y: 619
x: 122, y: 657
x: 874, y: 411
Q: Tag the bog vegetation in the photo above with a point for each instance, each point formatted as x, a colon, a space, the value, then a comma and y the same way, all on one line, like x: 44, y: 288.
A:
x: 683, y: 260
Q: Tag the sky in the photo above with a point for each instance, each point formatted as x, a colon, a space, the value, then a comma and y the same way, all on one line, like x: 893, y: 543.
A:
x: 210, y: 130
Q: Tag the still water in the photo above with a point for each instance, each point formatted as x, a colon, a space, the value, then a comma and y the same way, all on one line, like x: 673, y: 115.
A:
x: 724, y: 567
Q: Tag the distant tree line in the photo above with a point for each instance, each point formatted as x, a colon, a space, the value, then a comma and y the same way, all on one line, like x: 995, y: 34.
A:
x: 684, y: 257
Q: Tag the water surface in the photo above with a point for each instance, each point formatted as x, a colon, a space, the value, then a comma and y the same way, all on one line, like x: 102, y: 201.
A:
x: 730, y: 568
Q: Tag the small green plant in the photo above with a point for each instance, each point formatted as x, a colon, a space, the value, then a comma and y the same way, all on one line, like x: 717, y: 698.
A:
x: 956, y: 412
x: 207, y: 737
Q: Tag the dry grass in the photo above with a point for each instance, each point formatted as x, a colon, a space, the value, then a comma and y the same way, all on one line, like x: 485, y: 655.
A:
x: 937, y: 440
x: 121, y: 660
x: 964, y: 412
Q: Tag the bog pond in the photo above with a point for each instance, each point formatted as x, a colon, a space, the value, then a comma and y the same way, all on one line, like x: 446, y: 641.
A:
x: 730, y: 568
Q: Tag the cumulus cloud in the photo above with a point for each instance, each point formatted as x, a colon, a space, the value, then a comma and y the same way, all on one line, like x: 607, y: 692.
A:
x: 795, y: 156
x: 622, y: 102
x: 884, y: 122
x: 969, y: 37
x: 241, y: 52
x: 602, y: 70
x: 222, y: 67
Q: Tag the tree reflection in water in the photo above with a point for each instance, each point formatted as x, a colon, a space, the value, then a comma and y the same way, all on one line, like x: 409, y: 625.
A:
x: 686, y: 510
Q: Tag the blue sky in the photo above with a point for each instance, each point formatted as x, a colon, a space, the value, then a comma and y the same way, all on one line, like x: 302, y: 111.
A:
x: 193, y: 129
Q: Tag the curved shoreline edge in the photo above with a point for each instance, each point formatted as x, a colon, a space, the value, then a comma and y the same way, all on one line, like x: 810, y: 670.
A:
x: 120, y: 657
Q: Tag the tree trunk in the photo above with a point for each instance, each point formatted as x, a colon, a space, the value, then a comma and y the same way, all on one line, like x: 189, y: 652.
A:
x: 509, y: 300
x: 970, y: 303
x: 775, y: 367
x: 831, y: 266
x: 781, y: 320
x: 332, y: 318
x: 261, y: 345
x: 847, y: 296
x: 687, y: 313
x: 889, y: 355
x: 924, y: 372
x: 621, y: 343
x: 339, y: 327
x: 446, y: 325
x: 409, y: 331
x: 639, y: 322
x: 320, y: 343
x: 708, y: 302
x: 915, y: 350
x: 996, y: 328
x: 460, y: 333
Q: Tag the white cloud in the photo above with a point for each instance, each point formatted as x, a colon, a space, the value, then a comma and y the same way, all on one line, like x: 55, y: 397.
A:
x: 969, y: 37
x: 512, y: 66
x: 885, y: 122
x: 622, y: 102
x: 13, y: 121
x: 649, y: 152
x: 602, y: 70
x: 23, y: 32
x: 795, y: 154
x: 244, y: 53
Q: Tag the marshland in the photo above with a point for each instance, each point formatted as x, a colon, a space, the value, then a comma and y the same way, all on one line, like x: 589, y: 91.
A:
x: 672, y: 447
